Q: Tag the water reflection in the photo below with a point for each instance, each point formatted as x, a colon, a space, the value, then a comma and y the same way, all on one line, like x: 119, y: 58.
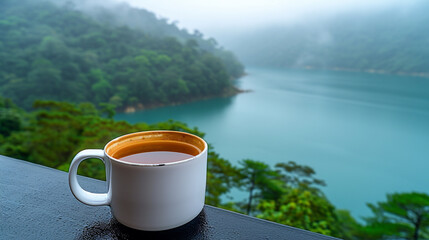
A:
x: 196, y: 229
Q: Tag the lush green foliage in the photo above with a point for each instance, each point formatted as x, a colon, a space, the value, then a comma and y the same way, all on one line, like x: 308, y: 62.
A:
x: 401, y: 216
x: 141, y: 19
x: 259, y: 181
x: 393, y: 40
x: 56, y: 131
x: 303, y: 209
x: 285, y: 195
x: 10, y: 117
x: 52, y: 52
x: 221, y: 178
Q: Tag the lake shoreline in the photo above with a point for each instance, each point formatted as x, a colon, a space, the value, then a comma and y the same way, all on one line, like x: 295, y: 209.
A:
x: 372, y: 71
x: 235, y: 91
x: 355, y: 70
x: 139, y: 107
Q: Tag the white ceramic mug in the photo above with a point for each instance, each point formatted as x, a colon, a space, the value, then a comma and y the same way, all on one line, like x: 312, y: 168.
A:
x: 149, y: 197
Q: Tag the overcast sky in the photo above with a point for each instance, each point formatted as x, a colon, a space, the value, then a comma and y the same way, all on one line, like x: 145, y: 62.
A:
x: 214, y: 16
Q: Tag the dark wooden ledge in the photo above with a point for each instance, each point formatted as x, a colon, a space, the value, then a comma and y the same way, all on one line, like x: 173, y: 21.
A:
x: 36, y: 203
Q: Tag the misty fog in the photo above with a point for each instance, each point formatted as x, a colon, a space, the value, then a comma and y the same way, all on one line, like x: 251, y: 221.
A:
x: 219, y: 18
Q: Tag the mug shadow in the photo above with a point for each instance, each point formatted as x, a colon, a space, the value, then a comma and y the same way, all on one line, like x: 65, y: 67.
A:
x: 195, y: 229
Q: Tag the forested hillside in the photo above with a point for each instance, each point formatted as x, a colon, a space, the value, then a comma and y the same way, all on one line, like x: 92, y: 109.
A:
x: 59, y: 52
x: 393, y: 40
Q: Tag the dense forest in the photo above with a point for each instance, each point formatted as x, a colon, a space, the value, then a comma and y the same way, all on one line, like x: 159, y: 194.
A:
x: 393, y: 40
x: 58, y: 52
x: 288, y: 193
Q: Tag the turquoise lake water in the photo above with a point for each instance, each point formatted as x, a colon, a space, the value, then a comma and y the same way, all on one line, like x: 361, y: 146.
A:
x: 364, y: 134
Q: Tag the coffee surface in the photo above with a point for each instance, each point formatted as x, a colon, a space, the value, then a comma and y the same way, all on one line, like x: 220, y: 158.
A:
x: 156, y: 157
x: 154, y: 152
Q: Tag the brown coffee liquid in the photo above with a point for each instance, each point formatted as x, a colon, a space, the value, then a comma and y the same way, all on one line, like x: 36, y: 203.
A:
x: 154, y: 152
x: 156, y: 157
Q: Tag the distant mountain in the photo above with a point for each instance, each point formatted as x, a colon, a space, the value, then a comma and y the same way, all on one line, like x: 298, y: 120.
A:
x: 394, y: 40
x: 118, y: 55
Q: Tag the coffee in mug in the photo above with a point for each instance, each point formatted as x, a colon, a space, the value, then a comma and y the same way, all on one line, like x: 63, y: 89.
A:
x: 156, y: 151
x: 156, y: 179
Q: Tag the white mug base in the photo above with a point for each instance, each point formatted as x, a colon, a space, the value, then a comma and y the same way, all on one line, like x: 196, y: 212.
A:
x: 158, y: 228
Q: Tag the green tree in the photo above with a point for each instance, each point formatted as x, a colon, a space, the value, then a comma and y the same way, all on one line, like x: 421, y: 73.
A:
x: 303, y: 209
x: 350, y: 229
x: 299, y: 176
x: 107, y: 109
x: 10, y: 121
x: 402, y: 215
x: 10, y: 117
x: 257, y: 178
x: 221, y: 178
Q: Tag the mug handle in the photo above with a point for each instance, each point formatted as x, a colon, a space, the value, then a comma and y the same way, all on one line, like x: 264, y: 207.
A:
x: 89, y: 198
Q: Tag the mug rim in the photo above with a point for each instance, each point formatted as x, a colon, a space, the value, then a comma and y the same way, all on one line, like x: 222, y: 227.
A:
x: 156, y: 164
